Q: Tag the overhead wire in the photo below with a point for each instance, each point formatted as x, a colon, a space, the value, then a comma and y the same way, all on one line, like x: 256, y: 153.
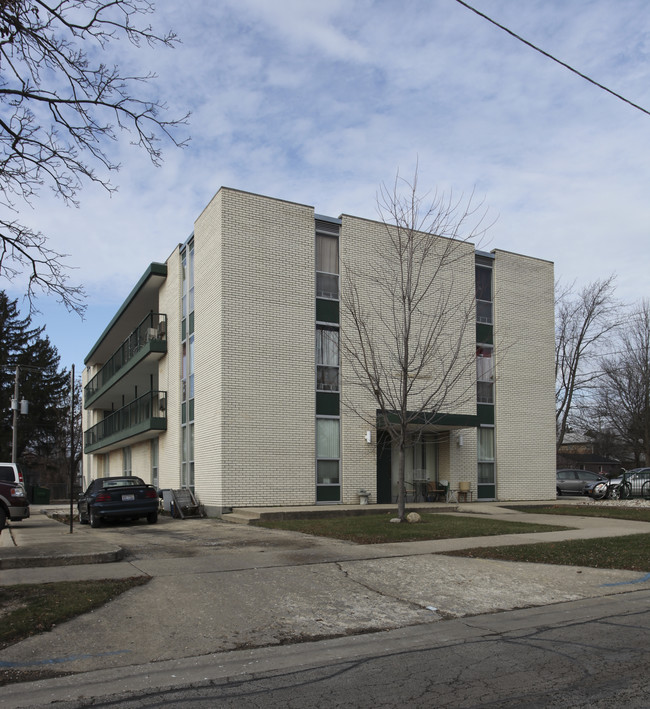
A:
x: 555, y: 59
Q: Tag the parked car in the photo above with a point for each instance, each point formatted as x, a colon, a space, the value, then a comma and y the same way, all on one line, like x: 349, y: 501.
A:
x: 12, y: 472
x: 570, y: 481
x: 14, y: 504
x: 124, y: 497
x: 635, y: 478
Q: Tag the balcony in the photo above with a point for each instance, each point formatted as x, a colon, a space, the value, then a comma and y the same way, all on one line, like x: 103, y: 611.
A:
x: 149, y: 337
x: 143, y: 418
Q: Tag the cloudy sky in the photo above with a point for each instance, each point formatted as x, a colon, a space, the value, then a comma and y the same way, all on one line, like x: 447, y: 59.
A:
x: 319, y: 102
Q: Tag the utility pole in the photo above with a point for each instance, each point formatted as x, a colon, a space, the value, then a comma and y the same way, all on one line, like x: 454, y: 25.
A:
x: 15, y: 405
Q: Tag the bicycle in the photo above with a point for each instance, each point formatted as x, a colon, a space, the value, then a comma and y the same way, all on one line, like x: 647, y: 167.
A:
x: 622, y: 491
x: 645, y: 490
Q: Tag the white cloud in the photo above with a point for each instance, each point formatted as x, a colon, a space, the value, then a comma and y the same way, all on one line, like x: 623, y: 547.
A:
x: 321, y: 102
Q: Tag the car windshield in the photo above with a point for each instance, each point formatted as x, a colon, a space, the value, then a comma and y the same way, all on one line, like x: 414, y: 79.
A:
x: 122, y: 482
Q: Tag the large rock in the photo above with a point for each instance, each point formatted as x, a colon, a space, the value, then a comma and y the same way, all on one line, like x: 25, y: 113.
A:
x: 413, y: 517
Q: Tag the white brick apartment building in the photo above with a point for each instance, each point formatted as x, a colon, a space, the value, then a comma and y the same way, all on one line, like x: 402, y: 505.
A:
x: 221, y: 371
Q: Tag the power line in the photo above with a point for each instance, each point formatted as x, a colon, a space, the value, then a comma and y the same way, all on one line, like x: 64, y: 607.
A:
x: 555, y: 59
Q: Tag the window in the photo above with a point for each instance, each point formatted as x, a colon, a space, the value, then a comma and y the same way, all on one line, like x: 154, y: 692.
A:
x: 327, y: 358
x: 154, y: 462
x: 486, y: 456
x: 484, y: 294
x: 191, y: 367
x: 327, y: 266
x: 126, y: 461
x: 187, y: 379
x: 327, y: 450
x: 485, y: 374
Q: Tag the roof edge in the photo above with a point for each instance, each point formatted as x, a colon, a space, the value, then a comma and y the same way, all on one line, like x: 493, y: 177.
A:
x: 154, y: 269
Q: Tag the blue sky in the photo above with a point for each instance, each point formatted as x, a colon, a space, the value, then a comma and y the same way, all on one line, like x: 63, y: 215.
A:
x: 321, y: 102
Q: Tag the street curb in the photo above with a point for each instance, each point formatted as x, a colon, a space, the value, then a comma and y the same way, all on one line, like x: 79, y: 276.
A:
x: 52, y: 555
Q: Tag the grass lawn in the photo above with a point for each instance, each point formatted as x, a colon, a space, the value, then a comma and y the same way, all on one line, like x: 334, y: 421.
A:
x: 638, y: 514
x: 377, y: 529
x: 29, y: 609
x: 630, y: 552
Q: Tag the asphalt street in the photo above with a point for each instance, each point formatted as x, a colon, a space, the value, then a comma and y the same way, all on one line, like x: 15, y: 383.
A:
x: 590, y: 654
x: 218, y: 588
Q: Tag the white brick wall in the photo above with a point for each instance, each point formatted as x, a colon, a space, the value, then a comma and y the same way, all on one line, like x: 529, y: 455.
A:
x: 525, y: 379
x: 169, y: 369
x: 364, y: 249
x: 255, y: 400
x: 254, y: 358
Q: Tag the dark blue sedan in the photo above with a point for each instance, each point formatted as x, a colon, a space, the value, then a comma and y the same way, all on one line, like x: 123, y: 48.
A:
x: 124, y: 497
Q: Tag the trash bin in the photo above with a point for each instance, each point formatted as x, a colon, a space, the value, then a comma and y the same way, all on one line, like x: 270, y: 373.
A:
x: 40, y: 495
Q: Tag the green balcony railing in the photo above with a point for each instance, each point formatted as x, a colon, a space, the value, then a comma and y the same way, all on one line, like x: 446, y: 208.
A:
x: 152, y: 328
x: 146, y: 413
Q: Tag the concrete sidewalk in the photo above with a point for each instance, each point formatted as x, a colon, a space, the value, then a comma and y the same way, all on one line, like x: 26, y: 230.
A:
x: 216, y: 587
x: 35, y: 548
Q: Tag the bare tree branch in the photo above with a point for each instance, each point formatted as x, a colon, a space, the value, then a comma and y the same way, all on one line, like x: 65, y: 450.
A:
x: 408, y: 341
x: 60, y: 114
x: 583, y: 324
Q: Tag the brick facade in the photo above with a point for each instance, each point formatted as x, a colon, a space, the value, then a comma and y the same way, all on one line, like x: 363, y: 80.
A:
x: 254, y: 324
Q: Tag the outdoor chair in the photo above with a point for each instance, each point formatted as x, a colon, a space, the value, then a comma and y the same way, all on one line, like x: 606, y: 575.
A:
x: 436, y: 492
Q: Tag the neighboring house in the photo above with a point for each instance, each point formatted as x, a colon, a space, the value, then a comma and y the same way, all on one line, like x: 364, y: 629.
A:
x: 582, y: 455
x: 221, y: 371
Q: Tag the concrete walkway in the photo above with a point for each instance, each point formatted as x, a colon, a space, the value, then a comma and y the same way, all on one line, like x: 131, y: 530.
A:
x: 216, y: 586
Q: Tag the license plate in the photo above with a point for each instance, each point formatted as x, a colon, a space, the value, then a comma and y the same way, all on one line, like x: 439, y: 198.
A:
x: 128, y: 498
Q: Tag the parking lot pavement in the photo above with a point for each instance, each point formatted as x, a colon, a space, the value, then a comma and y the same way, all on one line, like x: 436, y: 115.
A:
x: 216, y: 586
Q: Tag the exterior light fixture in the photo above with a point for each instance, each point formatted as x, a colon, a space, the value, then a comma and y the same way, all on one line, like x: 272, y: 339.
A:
x: 368, y: 436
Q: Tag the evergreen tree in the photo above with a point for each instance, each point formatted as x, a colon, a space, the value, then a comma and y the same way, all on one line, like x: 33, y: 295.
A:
x: 40, y: 383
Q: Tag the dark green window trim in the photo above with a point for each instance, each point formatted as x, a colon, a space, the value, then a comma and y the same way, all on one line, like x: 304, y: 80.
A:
x: 328, y: 493
x: 183, y: 413
x: 485, y: 333
x: 485, y: 413
x: 183, y: 329
x: 486, y: 492
x: 191, y: 410
x: 432, y: 418
x: 327, y: 310
x: 327, y: 404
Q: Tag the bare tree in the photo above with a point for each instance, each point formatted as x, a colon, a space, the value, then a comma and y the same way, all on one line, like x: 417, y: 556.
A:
x: 408, y: 338
x: 624, y: 393
x: 583, y: 323
x: 61, y: 109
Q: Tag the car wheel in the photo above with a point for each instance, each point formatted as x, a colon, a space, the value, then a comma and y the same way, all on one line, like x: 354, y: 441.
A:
x: 82, y: 519
x: 3, y: 518
x: 614, y: 493
x: 559, y: 492
x: 95, y: 521
x: 152, y: 517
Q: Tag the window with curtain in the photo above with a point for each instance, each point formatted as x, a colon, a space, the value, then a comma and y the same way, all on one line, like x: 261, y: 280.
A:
x: 327, y: 451
x: 327, y: 266
x: 126, y: 461
x: 327, y: 359
x: 483, y: 294
x: 154, y: 462
x: 486, y: 444
x: 486, y: 456
x: 485, y: 374
x: 327, y: 438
